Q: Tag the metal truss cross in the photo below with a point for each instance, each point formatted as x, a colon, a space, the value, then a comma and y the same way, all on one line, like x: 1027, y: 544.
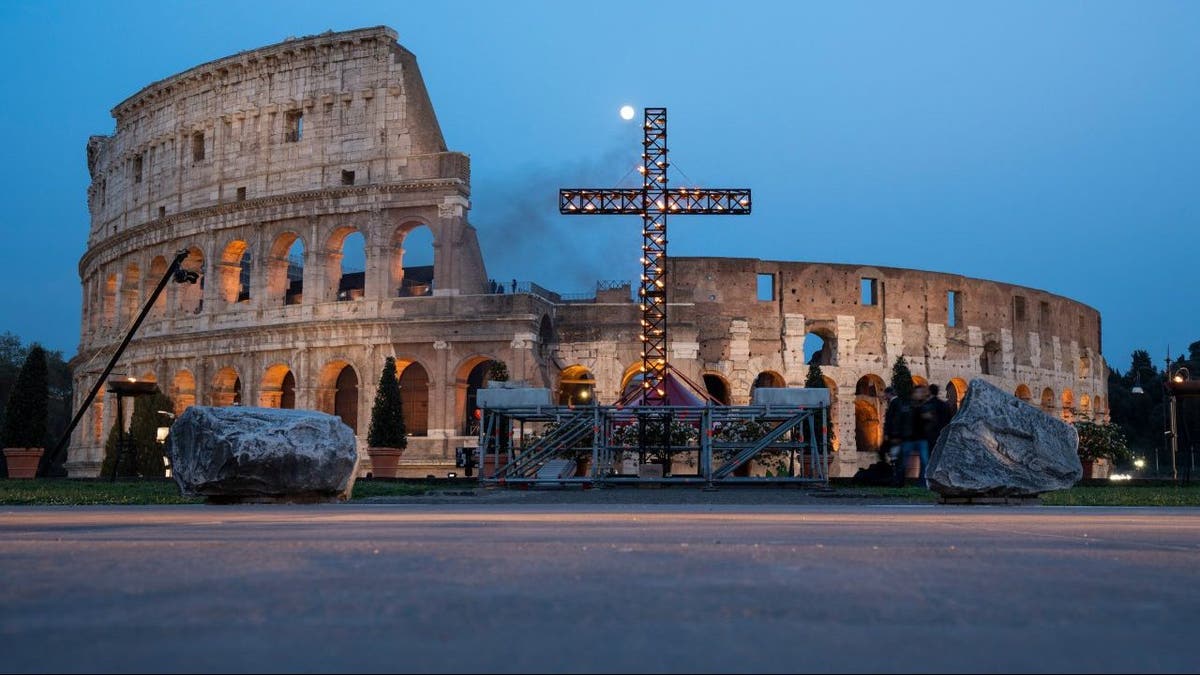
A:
x: 654, y: 201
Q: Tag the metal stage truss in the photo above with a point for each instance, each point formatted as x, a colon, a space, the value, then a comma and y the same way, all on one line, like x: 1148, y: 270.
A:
x: 598, y: 445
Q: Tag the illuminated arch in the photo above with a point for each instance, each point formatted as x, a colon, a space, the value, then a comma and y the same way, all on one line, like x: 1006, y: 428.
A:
x: 1022, y: 392
x: 190, y: 296
x: 131, y: 288
x: 412, y: 261
x: 233, y: 272
x: 183, y: 390
x: 414, y: 397
x: 278, y: 388
x: 227, y: 387
x: 576, y: 386
x: 471, y: 375
x: 345, y: 281
x: 285, y: 270
x: 158, y: 267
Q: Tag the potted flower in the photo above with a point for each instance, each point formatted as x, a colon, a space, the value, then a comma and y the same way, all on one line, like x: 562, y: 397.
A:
x: 387, y: 439
x: 1100, y: 447
x: 24, y: 433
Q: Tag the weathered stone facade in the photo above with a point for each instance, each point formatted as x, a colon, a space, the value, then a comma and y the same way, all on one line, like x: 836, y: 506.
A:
x: 304, y: 143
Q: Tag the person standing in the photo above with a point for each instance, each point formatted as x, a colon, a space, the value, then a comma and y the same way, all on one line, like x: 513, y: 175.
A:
x: 938, y: 416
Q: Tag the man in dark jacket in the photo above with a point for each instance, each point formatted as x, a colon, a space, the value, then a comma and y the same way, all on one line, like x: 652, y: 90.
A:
x: 937, y: 416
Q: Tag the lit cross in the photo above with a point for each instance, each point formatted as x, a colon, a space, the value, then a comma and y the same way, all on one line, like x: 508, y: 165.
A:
x: 653, y: 201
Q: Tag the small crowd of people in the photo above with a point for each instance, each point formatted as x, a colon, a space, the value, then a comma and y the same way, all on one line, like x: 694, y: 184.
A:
x: 911, y: 426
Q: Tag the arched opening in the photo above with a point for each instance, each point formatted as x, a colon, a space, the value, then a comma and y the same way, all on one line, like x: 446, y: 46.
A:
x: 414, y: 397
x: 234, y: 272
x: 278, y: 388
x: 345, y: 398
x: 545, y: 335
x: 183, y: 391
x: 631, y: 380
x: 1068, y: 405
x: 347, y: 264
x: 717, y: 387
x: 227, y: 388
x: 956, y: 390
x: 131, y: 287
x: 285, y: 271
x: 1023, y: 393
x: 473, y: 375
x: 868, y: 431
x: 1048, y: 399
x: 989, y: 360
x: 1085, y: 406
x: 769, y: 379
x: 1098, y: 407
x: 191, y: 295
x: 158, y: 267
x: 1085, y: 369
x: 110, y: 300
x: 412, y: 261
x: 868, y: 413
x: 919, y: 381
x: 820, y: 348
x: 576, y: 386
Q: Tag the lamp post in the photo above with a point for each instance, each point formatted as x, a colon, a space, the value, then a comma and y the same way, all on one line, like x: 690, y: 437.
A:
x: 160, y: 435
x: 1137, y: 390
x: 1179, y: 384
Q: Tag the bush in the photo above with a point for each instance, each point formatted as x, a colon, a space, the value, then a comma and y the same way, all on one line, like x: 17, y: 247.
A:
x: 902, y: 381
x: 387, y: 415
x: 1102, y: 441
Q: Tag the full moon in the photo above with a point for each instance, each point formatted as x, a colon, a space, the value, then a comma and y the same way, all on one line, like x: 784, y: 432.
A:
x: 626, y: 112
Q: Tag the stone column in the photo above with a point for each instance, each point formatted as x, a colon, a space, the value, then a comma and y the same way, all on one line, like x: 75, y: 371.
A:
x: 792, y: 351
x: 443, y: 392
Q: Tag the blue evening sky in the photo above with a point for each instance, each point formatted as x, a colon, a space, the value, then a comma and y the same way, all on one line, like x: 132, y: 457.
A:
x: 1048, y: 144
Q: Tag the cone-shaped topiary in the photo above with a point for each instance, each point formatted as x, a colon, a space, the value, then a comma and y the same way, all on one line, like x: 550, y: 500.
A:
x: 25, y: 414
x: 387, y: 415
x: 902, y: 380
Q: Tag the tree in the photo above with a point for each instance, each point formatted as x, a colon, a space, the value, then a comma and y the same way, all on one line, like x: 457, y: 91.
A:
x: 902, y: 381
x: 1102, y: 441
x: 387, y: 415
x: 815, y: 378
x: 146, y: 458
x: 25, y: 412
x: 498, y: 372
x: 58, y: 413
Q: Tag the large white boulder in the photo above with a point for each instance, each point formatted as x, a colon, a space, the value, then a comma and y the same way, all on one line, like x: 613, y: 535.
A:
x: 261, y: 454
x: 999, y: 446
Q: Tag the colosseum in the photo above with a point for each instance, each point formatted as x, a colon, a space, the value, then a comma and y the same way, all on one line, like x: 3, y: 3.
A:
x: 276, y: 168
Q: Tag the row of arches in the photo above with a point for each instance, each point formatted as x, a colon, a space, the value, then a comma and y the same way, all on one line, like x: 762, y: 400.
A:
x: 277, y: 274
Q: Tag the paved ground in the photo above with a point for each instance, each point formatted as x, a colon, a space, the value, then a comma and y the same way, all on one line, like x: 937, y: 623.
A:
x: 599, y: 587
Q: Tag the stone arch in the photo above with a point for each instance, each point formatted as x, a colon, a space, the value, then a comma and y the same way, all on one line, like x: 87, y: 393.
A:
x: 158, y: 267
x: 278, y: 388
x: 183, y: 390
x: 233, y: 272
x: 346, y: 267
x: 1047, y: 399
x: 989, y: 359
x: 717, y: 387
x: 337, y: 392
x: 131, y: 288
x: 471, y: 376
x: 285, y: 270
x: 631, y: 380
x: 191, y: 295
x: 1098, y: 406
x: 820, y: 347
x: 1068, y: 405
x: 956, y: 390
x: 414, y: 398
x: 546, y: 337
x: 831, y: 385
x: 109, y: 303
x: 769, y: 379
x: 412, y: 261
x: 227, y: 387
x: 919, y: 381
x: 1022, y: 392
x: 1085, y: 368
x: 868, y: 412
x: 576, y: 386
x: 1085, y: 406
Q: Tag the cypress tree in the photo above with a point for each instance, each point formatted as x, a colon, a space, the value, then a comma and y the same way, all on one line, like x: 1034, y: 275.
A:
x: 902, y: 380
x: 25, y: 414
x: 815, y: 378
x: 387, y: 415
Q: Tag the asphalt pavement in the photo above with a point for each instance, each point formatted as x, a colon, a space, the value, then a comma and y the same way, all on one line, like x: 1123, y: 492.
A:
x: 599, y: 587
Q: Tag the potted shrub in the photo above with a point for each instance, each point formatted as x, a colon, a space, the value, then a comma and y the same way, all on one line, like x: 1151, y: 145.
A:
x: 387, y: 438
x: 1100, y: 447
x: 24, y: 434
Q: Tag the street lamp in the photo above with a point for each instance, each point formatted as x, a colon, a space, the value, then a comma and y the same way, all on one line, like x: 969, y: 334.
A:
x: 122, y: 387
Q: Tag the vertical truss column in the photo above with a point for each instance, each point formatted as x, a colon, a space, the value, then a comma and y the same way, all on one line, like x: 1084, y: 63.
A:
x: 653, y: 291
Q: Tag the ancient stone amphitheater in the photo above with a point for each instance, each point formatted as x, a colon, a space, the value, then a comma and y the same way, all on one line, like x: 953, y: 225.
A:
x: 327, y: 221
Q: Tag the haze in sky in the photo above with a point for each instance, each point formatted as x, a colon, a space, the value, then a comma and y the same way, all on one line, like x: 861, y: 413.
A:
x: 1051, y: 145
